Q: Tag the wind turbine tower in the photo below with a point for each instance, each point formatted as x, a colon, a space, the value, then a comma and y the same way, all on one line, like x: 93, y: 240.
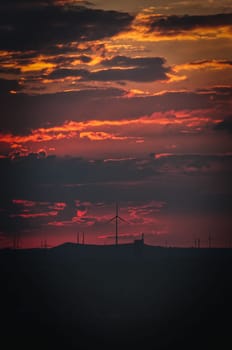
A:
x: 117, y: 218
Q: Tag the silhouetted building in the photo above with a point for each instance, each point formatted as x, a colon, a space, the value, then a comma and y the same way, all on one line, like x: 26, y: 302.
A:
x: 138, y: 245
x: 139, y: 242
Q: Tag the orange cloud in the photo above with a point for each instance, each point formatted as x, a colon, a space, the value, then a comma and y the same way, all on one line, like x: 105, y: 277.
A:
x: 100, y: 136
x: 162, y: 155
x: 37, y: 66
x: 37, y: 135
x: 140, y: 29
x: 90, y: 129
x: 12, y: 60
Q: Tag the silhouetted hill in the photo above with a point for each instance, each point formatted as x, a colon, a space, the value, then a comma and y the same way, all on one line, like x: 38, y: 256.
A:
x: 86, y: 296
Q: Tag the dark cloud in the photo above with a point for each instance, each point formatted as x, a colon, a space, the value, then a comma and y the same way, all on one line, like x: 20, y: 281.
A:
x: 142, y: 69
x: 68, y: 48
x: 172, y: 25
x: 17, y: 217
x: 15, y: 71
x: 37, y: 170
x: 8, y: 85
x: 66, y: 72
x: 196, y: 63
x: 48, y: 180
x: 221, y: 90
x: 225, y: 125
x: 189, y: 163
x: 51, y: 170
x: 64, y: 60
x: 49, y: 109
x: 124, y: 61
x: 84, y: 58
x: 25, y: 4
x: 225, y: 90
x: 23, y: 112
x: 40, y: 25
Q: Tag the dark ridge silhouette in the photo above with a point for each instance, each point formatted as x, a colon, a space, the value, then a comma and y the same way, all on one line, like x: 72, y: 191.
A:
x: 77, y: 296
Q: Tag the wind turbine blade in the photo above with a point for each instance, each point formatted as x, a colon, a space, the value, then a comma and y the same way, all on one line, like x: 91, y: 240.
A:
x: 127, y: 222
x: 111, y: 220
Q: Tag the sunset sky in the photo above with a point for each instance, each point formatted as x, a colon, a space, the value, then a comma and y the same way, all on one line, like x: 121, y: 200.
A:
x: 105, y: 101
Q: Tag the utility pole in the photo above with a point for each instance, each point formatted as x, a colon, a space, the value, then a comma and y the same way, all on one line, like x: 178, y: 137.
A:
x: 143, y: 238
x: 210, y: 240
x: 116, y: 223
x: 16, y: 241
x: 44, y: 244
x: 13, y: 242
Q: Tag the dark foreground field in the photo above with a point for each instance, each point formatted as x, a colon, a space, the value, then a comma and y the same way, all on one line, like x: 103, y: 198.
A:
x: 83, y: 297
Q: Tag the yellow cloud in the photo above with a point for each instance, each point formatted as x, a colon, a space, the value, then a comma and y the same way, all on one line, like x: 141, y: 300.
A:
x: 100, y: 136
x: 37, y: 66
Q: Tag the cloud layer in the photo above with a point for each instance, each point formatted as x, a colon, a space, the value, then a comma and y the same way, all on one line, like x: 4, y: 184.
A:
x: 39, y: 25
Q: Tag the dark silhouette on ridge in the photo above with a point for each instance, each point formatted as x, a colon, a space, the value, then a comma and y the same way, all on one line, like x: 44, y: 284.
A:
x: 109, y: 297
x: 116, y: 218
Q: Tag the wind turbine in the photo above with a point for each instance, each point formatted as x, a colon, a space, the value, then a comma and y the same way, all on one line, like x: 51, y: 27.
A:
x: 116, y: 218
